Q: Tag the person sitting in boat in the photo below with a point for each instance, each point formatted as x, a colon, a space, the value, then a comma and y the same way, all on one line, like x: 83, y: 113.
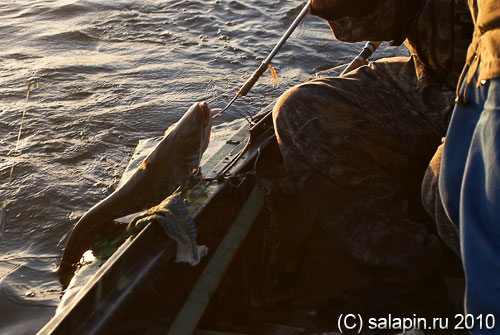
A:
x: 469, y: 178
x: 357, y: 147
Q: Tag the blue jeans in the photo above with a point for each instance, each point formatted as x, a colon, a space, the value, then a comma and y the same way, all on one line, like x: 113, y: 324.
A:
x: 469, y: 184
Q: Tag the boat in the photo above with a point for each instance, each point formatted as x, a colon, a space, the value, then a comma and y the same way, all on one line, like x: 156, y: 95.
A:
x: 242, y: 203
x: 268, y: 263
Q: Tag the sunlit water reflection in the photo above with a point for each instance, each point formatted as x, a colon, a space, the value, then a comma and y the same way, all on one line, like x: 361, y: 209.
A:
x: 110, y: 73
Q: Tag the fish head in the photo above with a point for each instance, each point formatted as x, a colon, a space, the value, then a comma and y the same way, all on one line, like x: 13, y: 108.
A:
x: 195, y: 128
x: 207, y: 125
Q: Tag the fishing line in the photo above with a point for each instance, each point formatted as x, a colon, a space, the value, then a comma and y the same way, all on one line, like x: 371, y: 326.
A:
x: 219, y: 111
x: 221, y: 172
x: 217, y: 97
x: 247, y: 86
x: 29, y: 88
x: 227, y: 106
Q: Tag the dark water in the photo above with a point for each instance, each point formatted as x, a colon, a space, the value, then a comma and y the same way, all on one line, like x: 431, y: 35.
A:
x: 108, y: 74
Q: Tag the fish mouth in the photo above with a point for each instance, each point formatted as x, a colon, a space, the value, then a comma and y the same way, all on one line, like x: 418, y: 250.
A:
x: 205, y: 112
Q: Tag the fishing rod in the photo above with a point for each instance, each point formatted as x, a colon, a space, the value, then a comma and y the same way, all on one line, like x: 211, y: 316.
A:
x: 362, y: 58
x: 247, y: 86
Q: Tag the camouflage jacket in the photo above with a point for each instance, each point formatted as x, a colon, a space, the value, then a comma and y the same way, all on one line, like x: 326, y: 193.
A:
x: 484, y: 52
x: 438, y: 32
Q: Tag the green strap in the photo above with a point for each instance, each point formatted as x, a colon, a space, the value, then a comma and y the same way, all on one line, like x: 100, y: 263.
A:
x: 193, y: 309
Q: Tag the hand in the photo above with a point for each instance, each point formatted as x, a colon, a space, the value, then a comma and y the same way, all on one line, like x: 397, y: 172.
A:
x: 336, y: 9
x: 321, y: 5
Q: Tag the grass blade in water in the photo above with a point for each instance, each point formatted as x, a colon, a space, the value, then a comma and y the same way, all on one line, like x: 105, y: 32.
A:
x: 3, y: 219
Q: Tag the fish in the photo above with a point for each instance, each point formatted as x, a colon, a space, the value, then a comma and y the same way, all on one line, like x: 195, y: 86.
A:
x: 171, y: 163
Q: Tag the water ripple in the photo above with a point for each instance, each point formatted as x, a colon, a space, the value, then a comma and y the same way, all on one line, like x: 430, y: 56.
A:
x: 110, y: 73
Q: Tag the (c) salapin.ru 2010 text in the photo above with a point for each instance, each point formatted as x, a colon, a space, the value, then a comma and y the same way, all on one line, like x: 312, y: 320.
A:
x: 355, y: 322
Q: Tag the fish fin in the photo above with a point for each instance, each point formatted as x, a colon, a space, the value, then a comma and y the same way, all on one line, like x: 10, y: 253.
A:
x: 169, y: 129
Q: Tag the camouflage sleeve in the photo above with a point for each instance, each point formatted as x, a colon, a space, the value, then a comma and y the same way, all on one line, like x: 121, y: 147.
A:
x: 431, y: 200
x: 388, y: 22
